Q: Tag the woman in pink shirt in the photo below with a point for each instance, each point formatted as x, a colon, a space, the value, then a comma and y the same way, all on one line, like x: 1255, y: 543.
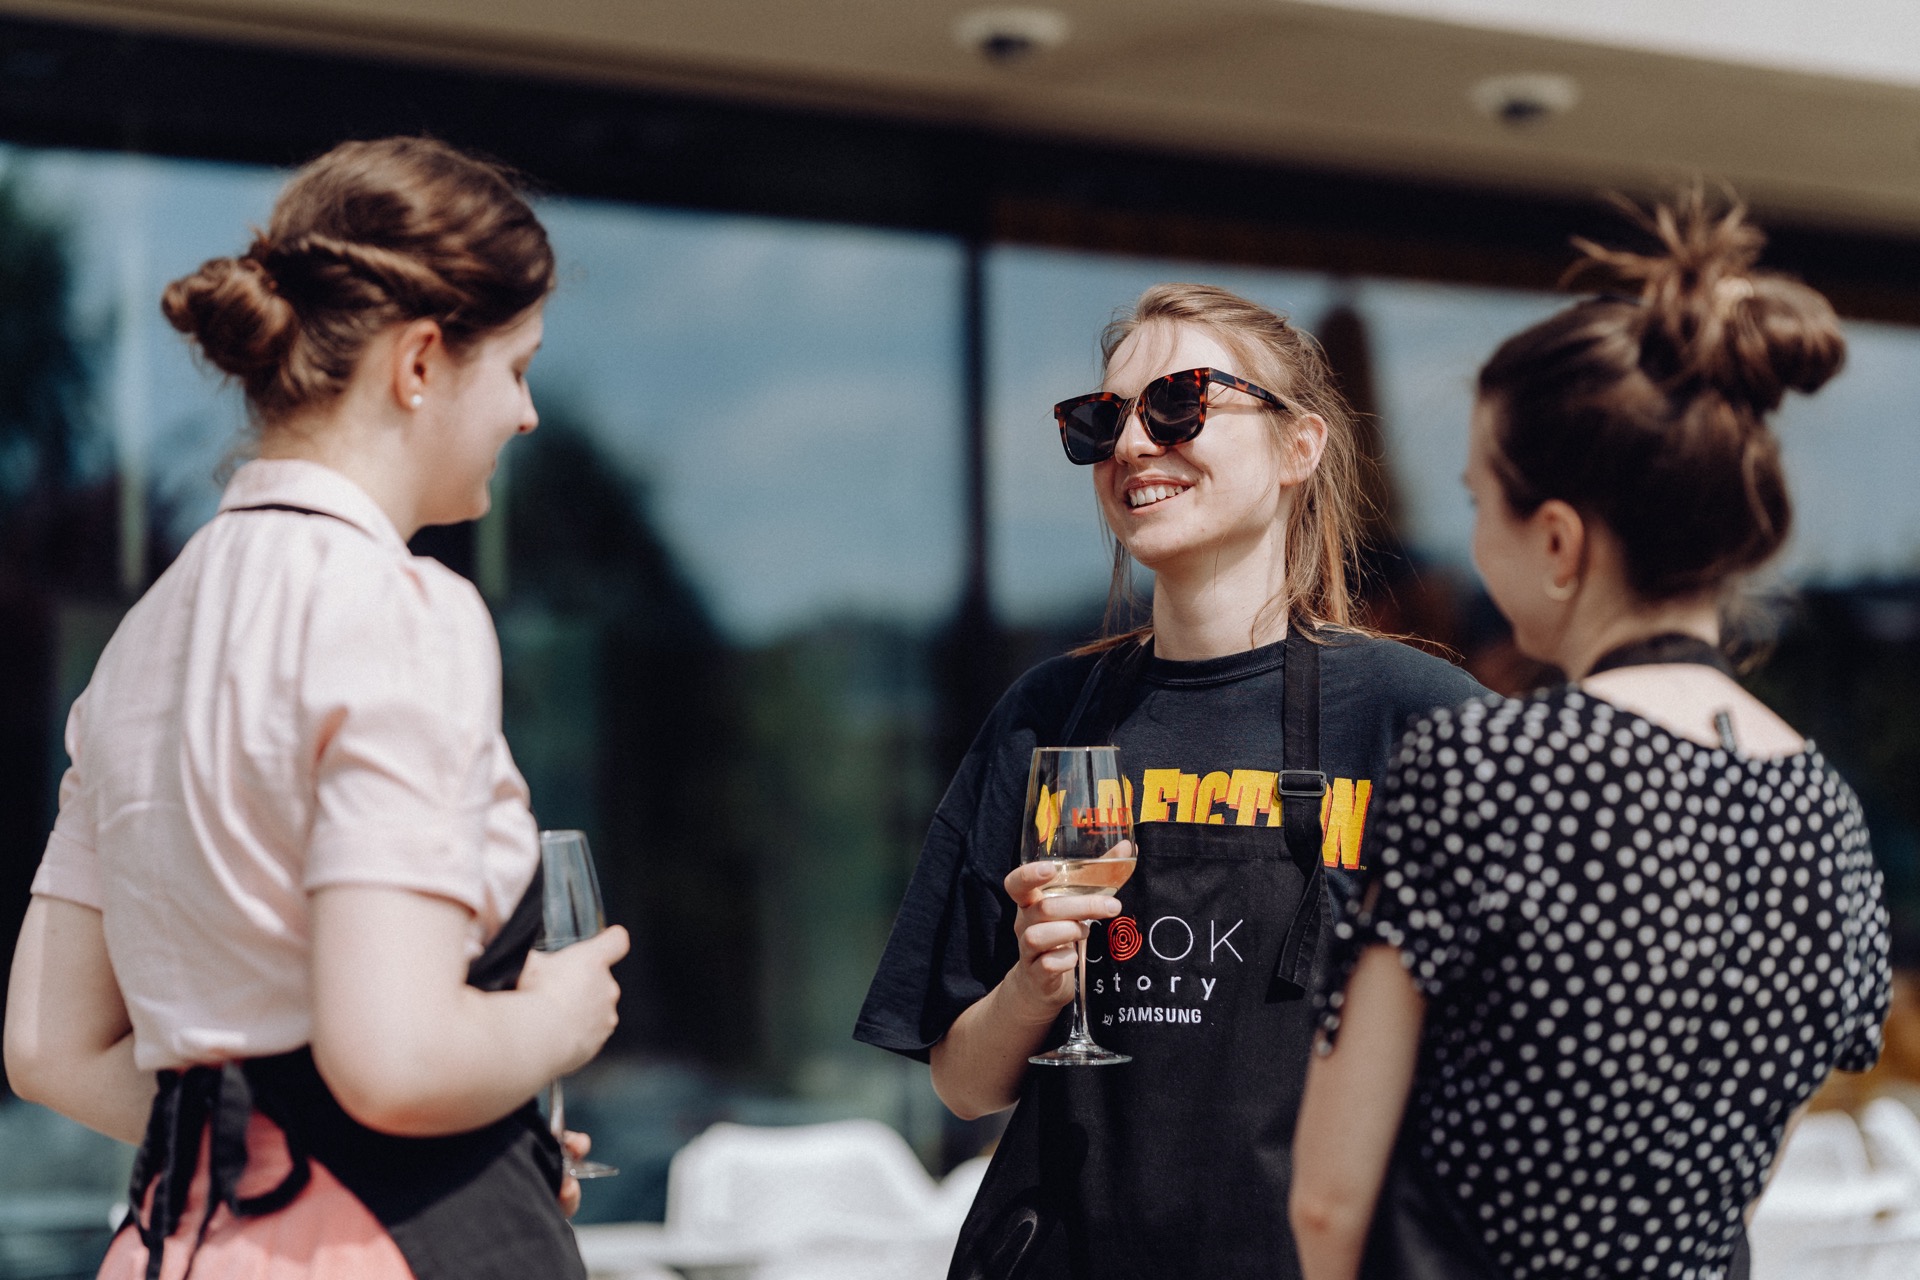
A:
x: 279, y: 935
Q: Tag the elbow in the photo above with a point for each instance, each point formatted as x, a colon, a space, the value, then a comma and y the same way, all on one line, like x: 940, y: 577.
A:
x: 954, y: 1099
x: 957, y: 1093
x: 963, y: 1108
x: 33, y: 1073
x: 25, y: 1078
x: 382, y: 1091
x: 1321, y: 1216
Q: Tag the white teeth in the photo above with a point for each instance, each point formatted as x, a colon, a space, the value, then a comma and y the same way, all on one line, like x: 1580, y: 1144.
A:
x: 1153, y: 493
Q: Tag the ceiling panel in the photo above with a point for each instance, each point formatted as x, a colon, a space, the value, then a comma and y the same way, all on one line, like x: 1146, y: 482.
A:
x: 1323, y: 84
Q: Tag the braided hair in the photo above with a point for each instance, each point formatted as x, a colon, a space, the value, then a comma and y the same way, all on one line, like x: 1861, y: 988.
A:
x: 369, y: 235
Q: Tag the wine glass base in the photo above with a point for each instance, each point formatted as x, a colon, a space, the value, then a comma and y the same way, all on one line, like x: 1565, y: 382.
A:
x: 583, y: 1170
x: 1079, y: 1055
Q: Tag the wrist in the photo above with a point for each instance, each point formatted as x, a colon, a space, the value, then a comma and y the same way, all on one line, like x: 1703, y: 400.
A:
x: 1026, y: 1007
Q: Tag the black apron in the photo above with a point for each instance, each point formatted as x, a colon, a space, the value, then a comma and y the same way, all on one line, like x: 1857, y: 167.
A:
x: 1177, y: 1163
x: 481, y: 1205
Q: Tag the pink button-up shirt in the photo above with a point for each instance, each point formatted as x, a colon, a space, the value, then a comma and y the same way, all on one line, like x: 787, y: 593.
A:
x: 298, y: 702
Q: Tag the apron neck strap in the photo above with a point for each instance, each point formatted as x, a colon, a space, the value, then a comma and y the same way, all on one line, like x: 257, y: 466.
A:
x: 1302, y: 786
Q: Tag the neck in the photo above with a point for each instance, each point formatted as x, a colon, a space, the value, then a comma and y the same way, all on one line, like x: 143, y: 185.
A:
x: 1227, y: 608
x: 1586, y: 645
x: 365, y: 447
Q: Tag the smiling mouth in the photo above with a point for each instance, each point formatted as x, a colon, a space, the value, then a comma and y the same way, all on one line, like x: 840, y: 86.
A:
x: 1147, y: 495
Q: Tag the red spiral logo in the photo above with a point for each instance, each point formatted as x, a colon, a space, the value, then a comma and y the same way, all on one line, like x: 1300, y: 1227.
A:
x: 1123, y: 938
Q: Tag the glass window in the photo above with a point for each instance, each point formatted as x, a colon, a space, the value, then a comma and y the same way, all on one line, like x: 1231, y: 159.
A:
x: 716, y: 572
x: 721, y: 568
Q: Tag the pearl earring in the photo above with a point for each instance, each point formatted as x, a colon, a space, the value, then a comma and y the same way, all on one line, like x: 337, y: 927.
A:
x: 1561, y: 592
x: 417, y: 400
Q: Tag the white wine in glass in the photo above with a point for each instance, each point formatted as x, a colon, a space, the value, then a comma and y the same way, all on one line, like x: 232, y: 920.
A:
x: 570, y: 912
x: 1078, y: 817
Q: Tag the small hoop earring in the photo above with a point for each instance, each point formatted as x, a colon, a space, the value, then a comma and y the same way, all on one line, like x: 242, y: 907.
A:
x: 417, y: 400
x: 1561, y: 592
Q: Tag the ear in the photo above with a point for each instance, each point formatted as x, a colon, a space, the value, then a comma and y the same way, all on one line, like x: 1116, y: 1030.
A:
x: 1305, y: 442
x: 419, y: 357
x: 1563, y: 539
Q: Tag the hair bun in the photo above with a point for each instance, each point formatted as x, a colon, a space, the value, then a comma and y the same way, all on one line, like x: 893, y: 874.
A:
x: 1712, y: 321
x: 233, y: 312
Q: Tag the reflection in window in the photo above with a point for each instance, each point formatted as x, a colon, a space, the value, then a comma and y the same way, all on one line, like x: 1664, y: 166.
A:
x: 716, y: 573
x: 719, y: 568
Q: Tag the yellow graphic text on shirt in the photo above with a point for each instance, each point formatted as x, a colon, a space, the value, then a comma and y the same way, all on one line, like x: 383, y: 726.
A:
x: 1247, y: 798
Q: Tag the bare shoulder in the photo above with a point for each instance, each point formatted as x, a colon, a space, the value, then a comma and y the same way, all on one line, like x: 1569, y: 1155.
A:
x: 1687, y: 700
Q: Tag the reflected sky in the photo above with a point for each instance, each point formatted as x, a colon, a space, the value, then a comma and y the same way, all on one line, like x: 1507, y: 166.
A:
x: 1850, y: 451
x: 784, y: 397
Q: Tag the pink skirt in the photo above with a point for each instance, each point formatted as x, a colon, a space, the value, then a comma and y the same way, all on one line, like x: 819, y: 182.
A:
x: 325, y: 1234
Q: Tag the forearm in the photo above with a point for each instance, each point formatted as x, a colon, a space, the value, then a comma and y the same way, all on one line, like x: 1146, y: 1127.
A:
x: 69, y: 1043
x: 447, y: 1066
x: 1350, y: 1117
x: 979, y: 1064
x: 409, y: 1048
x: 103, y: 1091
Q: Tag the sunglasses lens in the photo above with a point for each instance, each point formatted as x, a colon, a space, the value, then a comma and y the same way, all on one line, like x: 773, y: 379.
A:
x: 1176, y: 408
x: 1089, y: 429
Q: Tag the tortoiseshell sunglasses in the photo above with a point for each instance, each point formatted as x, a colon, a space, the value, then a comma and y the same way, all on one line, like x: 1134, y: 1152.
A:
x: 1173, y: 408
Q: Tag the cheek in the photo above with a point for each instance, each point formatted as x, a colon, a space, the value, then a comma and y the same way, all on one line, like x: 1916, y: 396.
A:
x: 1478, y: 547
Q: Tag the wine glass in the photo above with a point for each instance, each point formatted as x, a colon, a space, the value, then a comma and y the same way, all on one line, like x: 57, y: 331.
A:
x: 1078, y: 816
x: 570, y: 912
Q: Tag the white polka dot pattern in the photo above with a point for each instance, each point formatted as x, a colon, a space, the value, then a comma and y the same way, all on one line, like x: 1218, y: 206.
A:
x: 1640, y: 955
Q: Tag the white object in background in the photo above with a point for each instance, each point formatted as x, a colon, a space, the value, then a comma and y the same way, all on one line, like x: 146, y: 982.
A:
x: 1892, y: 1132
x: 1831, y: 1213
x: 840, y: 1201
x: 851, y: 1179
x: 1826, y: 1147
x: 956, y: 1192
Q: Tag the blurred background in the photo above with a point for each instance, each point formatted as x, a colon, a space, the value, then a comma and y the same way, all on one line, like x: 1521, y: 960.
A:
x: 797, y: 513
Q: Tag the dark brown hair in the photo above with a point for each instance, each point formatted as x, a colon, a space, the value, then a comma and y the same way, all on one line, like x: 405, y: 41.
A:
x: 369, y: 235
x: 1649, y: 413
x: 1324, y: 523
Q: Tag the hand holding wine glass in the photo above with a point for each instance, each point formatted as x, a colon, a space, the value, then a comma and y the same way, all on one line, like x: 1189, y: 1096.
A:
x: 1079, y: 824
x: 571, y: 912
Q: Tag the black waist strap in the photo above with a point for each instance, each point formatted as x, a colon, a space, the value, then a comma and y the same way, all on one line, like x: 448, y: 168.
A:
x: 210, y: 1100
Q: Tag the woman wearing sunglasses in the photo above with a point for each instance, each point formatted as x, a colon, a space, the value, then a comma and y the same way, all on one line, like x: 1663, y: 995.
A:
x: 1252, y: 717
x: 1627, y: 926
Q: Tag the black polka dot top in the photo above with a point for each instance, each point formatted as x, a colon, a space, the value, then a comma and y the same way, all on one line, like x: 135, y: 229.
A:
x: 1639, y: 955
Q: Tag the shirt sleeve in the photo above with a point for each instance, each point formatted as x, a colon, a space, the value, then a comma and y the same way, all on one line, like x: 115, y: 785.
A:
x: 70, y: 867
x: 401, y: 688
x: 1432, y: 886
x: 952, y: 940
x: 1868, y: 974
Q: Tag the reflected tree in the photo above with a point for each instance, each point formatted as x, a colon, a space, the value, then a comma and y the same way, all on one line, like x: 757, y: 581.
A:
x: 56, y: 539
x: 623, y: 707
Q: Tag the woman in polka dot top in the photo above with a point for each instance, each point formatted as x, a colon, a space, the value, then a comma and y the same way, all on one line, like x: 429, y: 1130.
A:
x: 1622, y: 930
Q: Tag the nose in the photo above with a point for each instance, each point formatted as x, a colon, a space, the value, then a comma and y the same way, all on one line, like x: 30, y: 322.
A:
x: 530, y: 419
x: 1134, y: 442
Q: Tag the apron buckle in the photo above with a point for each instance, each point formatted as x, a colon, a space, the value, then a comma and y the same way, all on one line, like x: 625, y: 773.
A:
x: 1301, y: 784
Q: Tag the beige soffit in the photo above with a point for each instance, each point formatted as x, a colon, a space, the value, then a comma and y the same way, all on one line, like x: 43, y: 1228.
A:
x: 1260, y: 79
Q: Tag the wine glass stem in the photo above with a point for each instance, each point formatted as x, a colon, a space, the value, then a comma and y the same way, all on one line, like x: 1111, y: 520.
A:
x: 1077, y: 1034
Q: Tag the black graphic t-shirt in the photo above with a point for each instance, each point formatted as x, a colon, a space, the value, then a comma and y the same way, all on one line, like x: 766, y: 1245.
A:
x: 1200, y: 743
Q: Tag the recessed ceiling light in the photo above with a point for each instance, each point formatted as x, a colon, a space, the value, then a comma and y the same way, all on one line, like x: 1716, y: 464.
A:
x: 1525, y: 97
x: 1005, y: 36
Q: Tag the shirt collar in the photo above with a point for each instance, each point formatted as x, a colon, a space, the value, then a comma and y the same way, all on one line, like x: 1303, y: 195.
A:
x: 296, y: 482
